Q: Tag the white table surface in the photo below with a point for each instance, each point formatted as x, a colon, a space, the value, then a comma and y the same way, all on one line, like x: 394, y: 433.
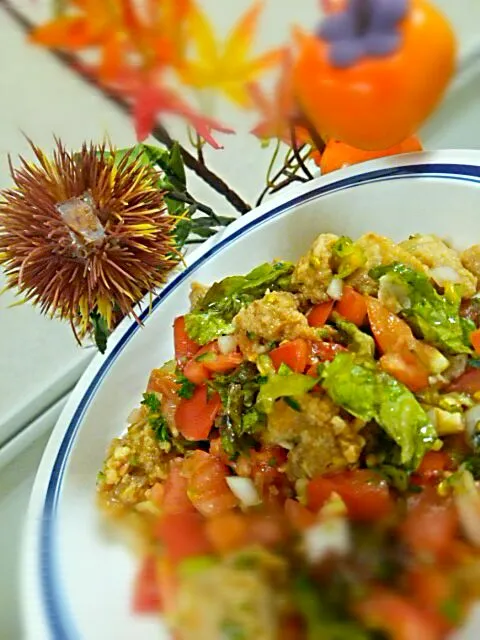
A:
x: 39, y: 359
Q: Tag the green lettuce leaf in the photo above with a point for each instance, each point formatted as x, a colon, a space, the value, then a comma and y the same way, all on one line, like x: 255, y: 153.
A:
x: 434, y: 317
x: 240, y: 418
x: 369, y: 393
x: 347, y: 257
x: 284, y: 384
x: 359, y: 342
x: 324, y: 621
x: 213, y: 315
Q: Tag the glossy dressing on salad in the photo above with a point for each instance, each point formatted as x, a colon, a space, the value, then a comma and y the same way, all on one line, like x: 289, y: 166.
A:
x: 306, y: 465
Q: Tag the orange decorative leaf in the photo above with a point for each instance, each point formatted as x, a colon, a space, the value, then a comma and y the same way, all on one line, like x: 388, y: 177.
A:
x: 153, y: 100
x: 230, y: 67
x: 67, y: 32
x: 277, y: 111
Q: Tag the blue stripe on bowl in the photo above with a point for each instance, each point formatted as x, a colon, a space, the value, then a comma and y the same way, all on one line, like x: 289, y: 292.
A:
x: 59, y: 621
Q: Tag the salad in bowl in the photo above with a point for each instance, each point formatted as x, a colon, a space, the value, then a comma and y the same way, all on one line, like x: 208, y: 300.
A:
x: 306, y: 464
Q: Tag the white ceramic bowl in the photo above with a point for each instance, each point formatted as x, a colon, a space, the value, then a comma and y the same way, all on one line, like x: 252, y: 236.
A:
x: 76, y: 581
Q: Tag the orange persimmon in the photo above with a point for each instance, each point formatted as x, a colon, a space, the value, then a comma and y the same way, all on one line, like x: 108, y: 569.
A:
x: 379, y: 101
x: 338, y: 154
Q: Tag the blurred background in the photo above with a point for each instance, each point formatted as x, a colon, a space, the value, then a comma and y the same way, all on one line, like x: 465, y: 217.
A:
x: 40, y: 97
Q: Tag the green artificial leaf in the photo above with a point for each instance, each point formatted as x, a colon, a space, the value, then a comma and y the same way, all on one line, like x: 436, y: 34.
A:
x: 100, y: 330
x: 434, y: 317
x: 367, y: 392
x: 213, y: 315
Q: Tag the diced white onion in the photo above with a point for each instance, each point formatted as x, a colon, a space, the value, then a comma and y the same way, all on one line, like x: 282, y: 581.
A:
x: 444, y: 275
x: 335, y: 289
x: 446, y: 422
x: 325, y: 538
x: 135, y: 416
x: 227, y: 344
x: 393, y: 295
x: 244, y: 490
x: 467, y: 501
x: 472, y: 418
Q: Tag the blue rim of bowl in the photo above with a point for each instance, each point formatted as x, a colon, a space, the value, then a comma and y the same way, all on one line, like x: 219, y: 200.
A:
x: 60, y: 624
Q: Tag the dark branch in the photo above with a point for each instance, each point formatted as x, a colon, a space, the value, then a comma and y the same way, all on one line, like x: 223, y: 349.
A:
x: 159, y: 133
x: 297, y: 154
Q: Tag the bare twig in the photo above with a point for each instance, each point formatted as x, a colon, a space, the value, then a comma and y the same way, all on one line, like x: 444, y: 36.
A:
x: 159, y: 133
x: 272, y: 187
x: 296, y: 153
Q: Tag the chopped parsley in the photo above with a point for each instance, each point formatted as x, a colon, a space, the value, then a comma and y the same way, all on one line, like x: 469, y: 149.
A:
x: 472, y: 464
x: 156, y: 420
x: 186, y: 387
x: 152, y: 402
x: 160, y: 428
x: 293, y: 404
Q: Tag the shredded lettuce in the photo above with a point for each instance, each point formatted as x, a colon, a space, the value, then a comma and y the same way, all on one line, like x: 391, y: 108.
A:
x: 434, y: 317
x: 240, y: 418
x: 368, y: 393
x: 323, y: 620
x: 359, y: 342
x: 213, y: 315
x: 347, y: 257
x: 284, y: 384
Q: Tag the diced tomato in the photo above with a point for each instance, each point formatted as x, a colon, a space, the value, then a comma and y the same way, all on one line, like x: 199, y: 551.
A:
x: 299, y: 516
x: 146, y: 595
x: 430, y: 588
x: 195, y: 372
x: 162, y: 382
x: 207, y: 486
x: 266, y: 529
x: 175, y: 498
x: 195, y: 369
x: 430, y: 525
x: 223, y: 363
x: 390, y: 331
x: 469, y: 382
x: 397, y: 616
x: 183, y: 535
x: 320, y: 313
x: 195, y: 416
x: 217, y: 450
x: 266, y: 469
x: 433, y: 464
x: 365, y: 493
x: 185, y: 347
x: 294, y: 354
x: 227, y: 532
x: 167, y: 584
x: 402, y: 350
x: 407, y: 369
x: 475, y: 340
x: 352, y: 306
x: 326, y: 351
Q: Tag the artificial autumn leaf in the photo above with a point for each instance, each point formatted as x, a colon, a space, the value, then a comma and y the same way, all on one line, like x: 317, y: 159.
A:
x: 230, y: 67
x: 154, y: 99
x: 278, y: 110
